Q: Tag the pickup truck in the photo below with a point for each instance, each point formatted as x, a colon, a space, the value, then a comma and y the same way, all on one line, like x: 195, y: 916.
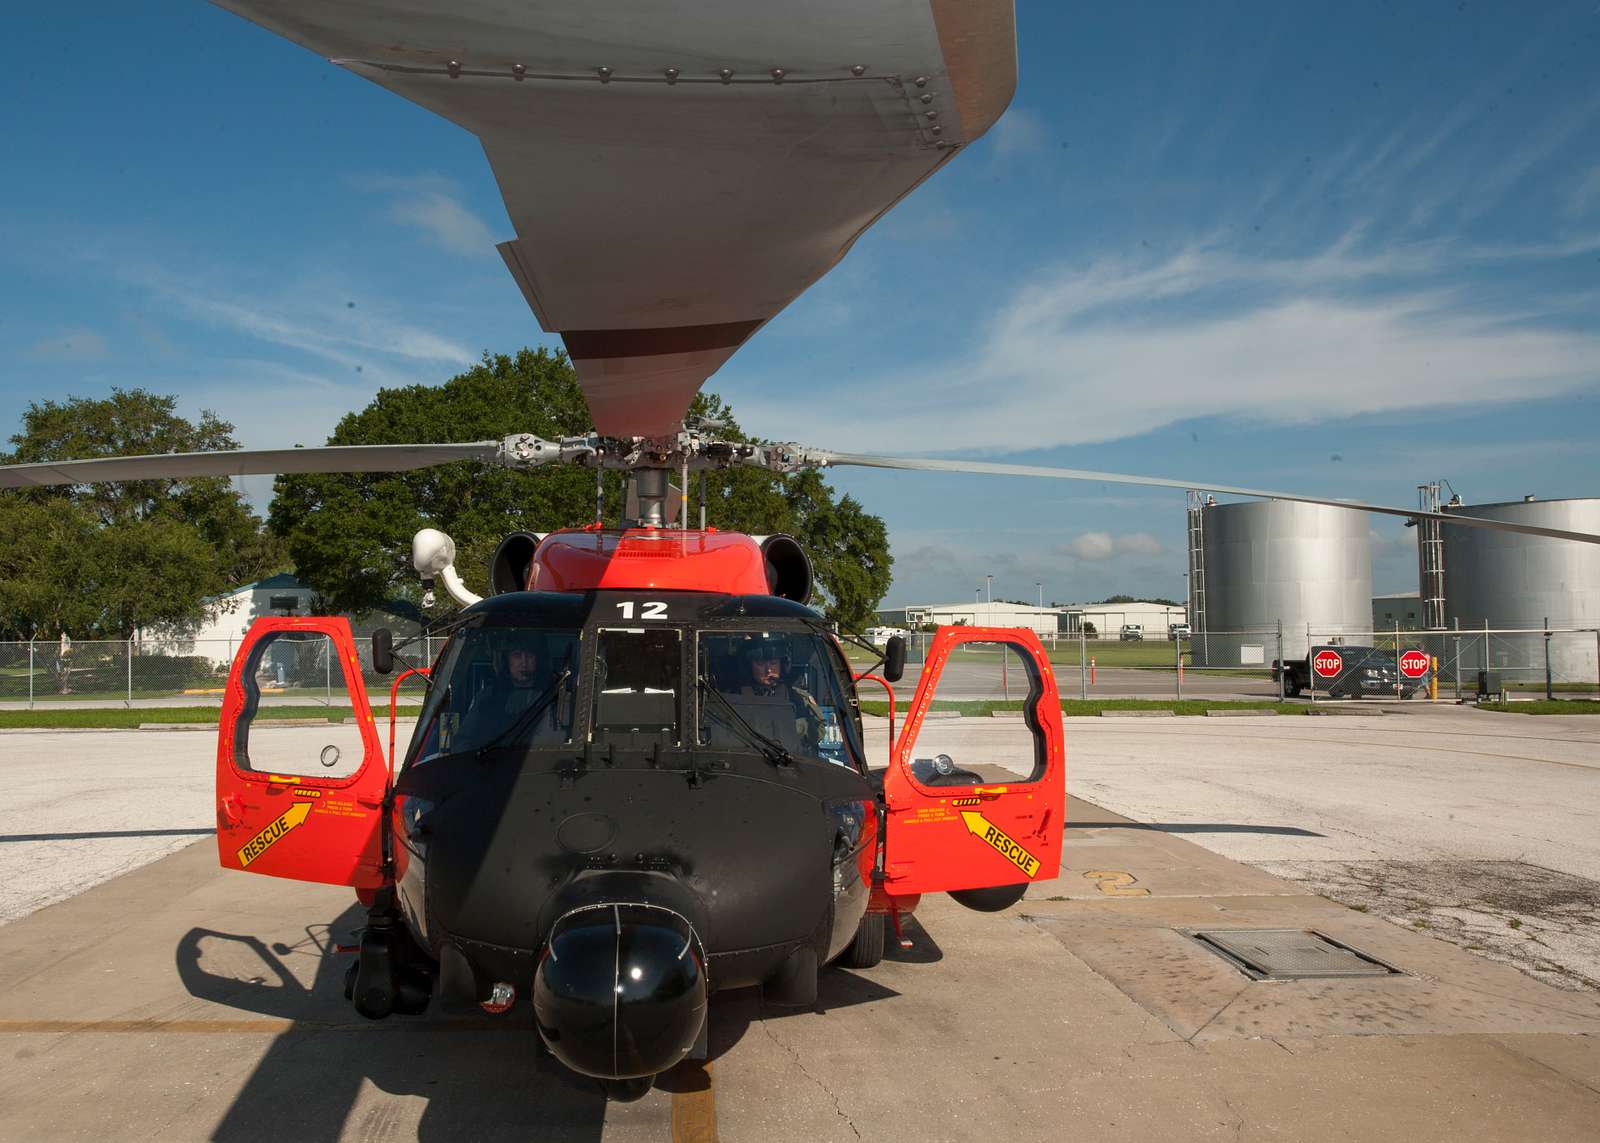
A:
x: 1132, y: 633
x: 1361, y: 671
x: 1179, y: 631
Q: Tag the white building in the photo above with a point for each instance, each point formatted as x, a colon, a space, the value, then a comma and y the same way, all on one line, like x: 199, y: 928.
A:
x: 231, y: 613
x: 1045, y: 621
x: 1108, y: 619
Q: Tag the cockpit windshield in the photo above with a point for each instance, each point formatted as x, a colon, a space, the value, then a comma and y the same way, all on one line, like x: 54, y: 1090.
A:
x: 781, y: 687
x: 500, y: 686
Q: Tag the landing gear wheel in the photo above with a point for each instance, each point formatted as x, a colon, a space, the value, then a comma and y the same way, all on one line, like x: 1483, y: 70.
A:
x: 628, y: 1090
x: 866, y: 950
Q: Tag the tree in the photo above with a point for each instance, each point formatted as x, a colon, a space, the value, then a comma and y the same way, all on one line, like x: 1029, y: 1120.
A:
x: 349, y: 533
x: 103, y: 560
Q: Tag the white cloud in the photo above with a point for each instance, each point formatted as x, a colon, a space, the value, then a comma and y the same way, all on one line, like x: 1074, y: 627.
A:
x: 74, y: 345
x: 432, y: 204
x: 1117, y: 348
x: 1095, y: 547
x: 313, y: 318
x: 1585, y: 195
x: 1019, y: 132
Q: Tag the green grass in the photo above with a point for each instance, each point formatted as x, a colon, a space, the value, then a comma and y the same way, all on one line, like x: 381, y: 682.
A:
x: 1105, y: 653
x: 1075, y: 708
x: 1558, y: 688
x: 1543, y: 706
x: 123, y: 719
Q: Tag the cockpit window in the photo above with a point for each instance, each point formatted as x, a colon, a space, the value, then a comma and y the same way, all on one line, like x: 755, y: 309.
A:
x: 638, y: 675
x: 778, y: 686
x: 499, y: 686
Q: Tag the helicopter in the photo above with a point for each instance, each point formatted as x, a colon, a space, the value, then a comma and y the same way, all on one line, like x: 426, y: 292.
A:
x: 639, y: 775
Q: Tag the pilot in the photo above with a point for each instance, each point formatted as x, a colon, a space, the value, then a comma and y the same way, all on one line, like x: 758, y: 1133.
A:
x: 518, y: 684
x: 782, y: 710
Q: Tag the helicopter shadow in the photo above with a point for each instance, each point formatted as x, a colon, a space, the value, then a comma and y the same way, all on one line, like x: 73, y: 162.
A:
x: 481, y: 1079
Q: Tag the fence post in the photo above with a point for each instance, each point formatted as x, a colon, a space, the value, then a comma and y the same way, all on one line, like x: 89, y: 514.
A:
x: 30, y: 671
x: 1083, y: 661
x: 1549, y: 688
x: 1311, y: 667
x: 1397, y: 688
x: 1282, y: 666
x: 1457, y: 671
x: 127, y: 648
x: 327, y: 675
x: 1177, y: 651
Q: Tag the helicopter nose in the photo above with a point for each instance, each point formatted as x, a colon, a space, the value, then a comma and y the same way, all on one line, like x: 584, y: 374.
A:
x: 621, y: 990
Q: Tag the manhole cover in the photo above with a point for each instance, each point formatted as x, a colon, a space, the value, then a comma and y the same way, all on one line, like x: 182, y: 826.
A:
x: 1289, y: 954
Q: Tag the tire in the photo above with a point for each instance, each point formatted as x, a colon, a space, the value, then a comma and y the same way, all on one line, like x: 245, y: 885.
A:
x: 1291, y: 686
x: 866, y: 950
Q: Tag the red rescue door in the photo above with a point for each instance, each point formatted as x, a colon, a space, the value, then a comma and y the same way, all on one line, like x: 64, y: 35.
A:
x: 976, y: 804
x: 296, y: 800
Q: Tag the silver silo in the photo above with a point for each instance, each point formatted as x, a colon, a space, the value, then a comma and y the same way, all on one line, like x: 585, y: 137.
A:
x: 1505, y: 580
x: 1274, y: 561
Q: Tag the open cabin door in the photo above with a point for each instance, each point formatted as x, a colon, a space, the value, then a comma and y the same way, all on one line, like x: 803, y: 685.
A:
x: 300, y: 801
x: 977, y: 805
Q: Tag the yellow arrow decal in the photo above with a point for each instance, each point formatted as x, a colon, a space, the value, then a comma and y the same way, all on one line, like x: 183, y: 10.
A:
x: 1001, y: 842
x: 267, y: 838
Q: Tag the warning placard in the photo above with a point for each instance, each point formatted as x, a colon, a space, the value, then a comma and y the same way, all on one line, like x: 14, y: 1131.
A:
x: 291, y: 818
x: 1000, y: 841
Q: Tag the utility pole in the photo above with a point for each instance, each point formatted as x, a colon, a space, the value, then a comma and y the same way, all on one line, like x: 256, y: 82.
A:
x: 1040, y: 585
x: 988, y: 589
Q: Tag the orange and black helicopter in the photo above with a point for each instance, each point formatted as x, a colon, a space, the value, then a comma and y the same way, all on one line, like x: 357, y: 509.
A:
x: 639, y: 774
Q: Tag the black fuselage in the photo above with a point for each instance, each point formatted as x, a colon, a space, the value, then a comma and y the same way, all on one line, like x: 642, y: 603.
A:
x: 625, y: 796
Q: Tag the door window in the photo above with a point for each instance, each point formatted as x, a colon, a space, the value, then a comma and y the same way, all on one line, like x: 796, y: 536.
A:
x: 291, y: 679
x: 1009, y: 748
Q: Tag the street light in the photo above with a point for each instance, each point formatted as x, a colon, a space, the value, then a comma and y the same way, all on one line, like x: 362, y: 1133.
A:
x: 988, y: 588
x: 1040, y: 585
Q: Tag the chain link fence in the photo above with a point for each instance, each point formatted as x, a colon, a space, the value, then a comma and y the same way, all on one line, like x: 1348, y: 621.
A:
x: 1242, y: 664
x: 151, y: 673
x: 1211, y: 665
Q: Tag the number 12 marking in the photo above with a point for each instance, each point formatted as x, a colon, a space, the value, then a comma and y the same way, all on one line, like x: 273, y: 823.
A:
x: 654, y: 609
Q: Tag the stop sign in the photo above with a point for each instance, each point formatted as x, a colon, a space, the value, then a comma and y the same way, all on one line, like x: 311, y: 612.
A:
x: 1327, y: 664
x: 1413, y: 664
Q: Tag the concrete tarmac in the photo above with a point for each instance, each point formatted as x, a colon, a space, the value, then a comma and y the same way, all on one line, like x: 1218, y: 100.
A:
x: 178, y: 1001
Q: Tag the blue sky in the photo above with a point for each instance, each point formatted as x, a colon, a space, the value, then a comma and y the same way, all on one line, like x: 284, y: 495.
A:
x: 1336, y: 249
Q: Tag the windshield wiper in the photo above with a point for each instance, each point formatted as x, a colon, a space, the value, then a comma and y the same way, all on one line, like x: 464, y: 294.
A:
x: 535, y: 709
x: 771, y: 748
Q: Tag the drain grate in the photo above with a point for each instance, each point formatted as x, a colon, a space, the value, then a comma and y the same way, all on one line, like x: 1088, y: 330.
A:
x: 1289, y: 954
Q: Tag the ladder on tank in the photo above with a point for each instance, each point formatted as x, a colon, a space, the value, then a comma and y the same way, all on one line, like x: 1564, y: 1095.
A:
x: 1430, y: 559
x: 1197, y: 564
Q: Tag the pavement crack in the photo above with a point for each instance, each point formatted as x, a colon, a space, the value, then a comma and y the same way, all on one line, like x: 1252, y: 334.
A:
x: 799, y: 1063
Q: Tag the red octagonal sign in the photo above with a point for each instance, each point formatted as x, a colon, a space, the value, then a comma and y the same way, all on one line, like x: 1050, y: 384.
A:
x: 1327, y: 664
x: 1414, y: 664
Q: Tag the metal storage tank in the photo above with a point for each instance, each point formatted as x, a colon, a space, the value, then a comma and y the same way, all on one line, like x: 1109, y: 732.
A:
x: 1505, y: 580
x: 1272, y: 561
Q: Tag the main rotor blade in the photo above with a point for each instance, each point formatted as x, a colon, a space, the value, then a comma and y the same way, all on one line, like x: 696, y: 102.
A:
x: 929, y: 464
x: 246, y: 462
